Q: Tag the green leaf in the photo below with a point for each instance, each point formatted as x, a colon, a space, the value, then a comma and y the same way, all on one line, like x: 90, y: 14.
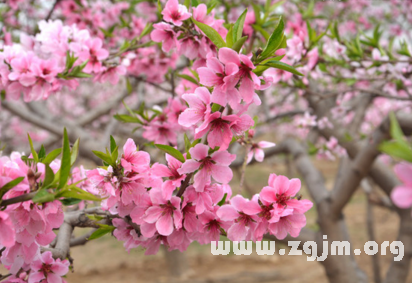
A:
x: 188, y: 78
x: 396, y: 131
x: 283, y: 66
x: 187, y: 143
x: 256, y: 9
x: 52, y: 156
x: 127, y: 119
x: 74, y: 152
x: 33, y: 152
x: 187, y: 3
x: 229, y: 37
x: 8, y: 186
x: 215, y: 107
x: 42, y: 152
x: 43, y: 196
x: 147, y: 29
x: 172, y: 151
x: 49, y: 177
x: 211, y: 33
x: 115, y: 155
x: 103, y: 156
x: 70, y: 201
x: 66, y: 161
x: 265, y: 34
x: 238, y: 27
x: 113, y: 144
x: 195, y: 3
x: 223, y: 200
x: 274, y: 41
x: 72, y: 191
x: 103, y: 230
x: 397, y: 149
x: 238, y: 44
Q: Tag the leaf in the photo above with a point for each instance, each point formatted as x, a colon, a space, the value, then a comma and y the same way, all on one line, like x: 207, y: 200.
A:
x: 256, y: 10
x: 283, y: 66
x: 43, y: 196
x: 42, y: 152
x: 115, y: 155
x: 238, y: 27
x: 211, y: 33
x: 238, y: 44
x: 66, y: 161
x: 147, y: 29
x: 215, y: 107
x: 49, y: 177
x: 187, y: 143
x: 72, y: 191
x: 33, y: 152
x: 70, y: 201
x: 103, y: 156
x: 8, y: 186
x: 396, y: 131
x: 127, y: 119
x: 113, y: 144
x: 274, y: 41
x: 188, y: 78
x: 172, y: 151
x: 223, y: 200
x: 74, y: 152
x: 397, y: 149
x: 229, y: 37
x: 103, y: 230
x: 265, y: 34
x: 52, y: 156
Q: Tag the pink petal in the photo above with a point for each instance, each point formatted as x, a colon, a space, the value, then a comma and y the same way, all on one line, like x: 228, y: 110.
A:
x: 227, y: 213
x: 222, y: 174
x: 402, y: 196
x: 165, y: 225
x: 227, y: 55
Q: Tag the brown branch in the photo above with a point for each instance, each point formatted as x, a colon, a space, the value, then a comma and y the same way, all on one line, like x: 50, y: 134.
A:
x: 18, y: 199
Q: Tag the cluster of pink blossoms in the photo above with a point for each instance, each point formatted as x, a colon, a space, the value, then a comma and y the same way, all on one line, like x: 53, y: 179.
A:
x: 26, y: 226
x: 36, y: 67
x: 171, y: 210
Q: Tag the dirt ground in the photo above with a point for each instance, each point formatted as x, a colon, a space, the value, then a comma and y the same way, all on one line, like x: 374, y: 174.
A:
x: 104, y: 259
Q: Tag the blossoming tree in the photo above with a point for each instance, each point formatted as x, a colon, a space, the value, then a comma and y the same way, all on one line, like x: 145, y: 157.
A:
x: 200, y: 81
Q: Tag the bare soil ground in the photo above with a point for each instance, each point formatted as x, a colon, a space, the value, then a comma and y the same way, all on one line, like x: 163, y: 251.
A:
x: 104, y: 259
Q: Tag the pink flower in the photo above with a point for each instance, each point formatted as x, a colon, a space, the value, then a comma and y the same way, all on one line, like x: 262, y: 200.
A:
x: 282, y: 191
x: 93, y: 51
x: 165, y: 213
x: 164, y: 33
x: 248, y: 80
x: 291, y: 224
x: 7, y: 234
x: 46, y: 269
x: 243, y: 213
x: 170, y: 172
x: 210, y: 225
x: 216, y: 166
x: 21, y: 70
x: 199, y: 107
x: 134, y: 160
x: 175, y: 13
x: 402, y: 195
x: 160, y: 133
x: 200, y: 14
x: 223, y: 78
x: 257, y: 151
x: 218, y: 129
